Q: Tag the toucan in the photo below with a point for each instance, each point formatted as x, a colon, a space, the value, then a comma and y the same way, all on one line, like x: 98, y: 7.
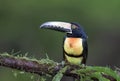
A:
x: 75, y: 47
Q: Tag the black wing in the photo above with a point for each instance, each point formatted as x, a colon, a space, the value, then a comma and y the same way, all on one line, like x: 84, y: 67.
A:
x: 85, y: 51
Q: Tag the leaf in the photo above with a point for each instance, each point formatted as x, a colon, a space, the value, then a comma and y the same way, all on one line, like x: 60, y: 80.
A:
x: 59, y: 75
x: 41, y: 79
x: 15, y: 74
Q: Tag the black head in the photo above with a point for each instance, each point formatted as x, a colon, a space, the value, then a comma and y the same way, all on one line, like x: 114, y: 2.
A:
x: 77, y: 31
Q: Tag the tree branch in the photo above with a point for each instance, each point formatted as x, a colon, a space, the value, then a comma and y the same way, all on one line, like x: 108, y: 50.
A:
x: 28, y: 65
x: 47, y: 66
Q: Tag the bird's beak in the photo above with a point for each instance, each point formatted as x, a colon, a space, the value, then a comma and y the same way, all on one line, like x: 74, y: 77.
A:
x: 58, y: 26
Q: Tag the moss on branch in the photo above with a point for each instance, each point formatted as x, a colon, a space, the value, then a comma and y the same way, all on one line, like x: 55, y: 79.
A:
x: 49, y: 67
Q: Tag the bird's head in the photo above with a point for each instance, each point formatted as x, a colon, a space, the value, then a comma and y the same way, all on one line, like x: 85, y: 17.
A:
x: 72, y: 29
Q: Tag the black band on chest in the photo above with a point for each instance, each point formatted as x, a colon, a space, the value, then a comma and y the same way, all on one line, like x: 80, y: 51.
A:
x: 77, y: 56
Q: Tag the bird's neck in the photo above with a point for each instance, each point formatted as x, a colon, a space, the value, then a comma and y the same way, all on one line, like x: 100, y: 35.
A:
x: 72, y: 35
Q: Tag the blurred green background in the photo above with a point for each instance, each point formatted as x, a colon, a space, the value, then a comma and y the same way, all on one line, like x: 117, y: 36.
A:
x: 20, y: 21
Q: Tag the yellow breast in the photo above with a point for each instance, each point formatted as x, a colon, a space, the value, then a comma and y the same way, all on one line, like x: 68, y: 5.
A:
x: 73, y: 46
x: 74, y: 60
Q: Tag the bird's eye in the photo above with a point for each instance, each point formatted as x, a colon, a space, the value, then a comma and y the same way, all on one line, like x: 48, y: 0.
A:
x: 73, y: 26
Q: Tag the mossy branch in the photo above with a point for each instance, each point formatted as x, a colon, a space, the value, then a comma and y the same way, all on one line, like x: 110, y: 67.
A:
x: 58, y: 70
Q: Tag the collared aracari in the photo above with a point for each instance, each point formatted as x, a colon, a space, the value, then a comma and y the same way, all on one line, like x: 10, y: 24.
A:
x: 75, y: 48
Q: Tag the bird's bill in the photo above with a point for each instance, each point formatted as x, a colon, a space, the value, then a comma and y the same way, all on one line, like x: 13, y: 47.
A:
x: 58, y: 26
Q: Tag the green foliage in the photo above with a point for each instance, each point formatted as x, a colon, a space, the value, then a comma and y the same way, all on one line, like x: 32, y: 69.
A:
x: 85, y: 73
x: 97, y: 72
x: 59, y: 75
x: 90, y: 73
x: 42, y: 78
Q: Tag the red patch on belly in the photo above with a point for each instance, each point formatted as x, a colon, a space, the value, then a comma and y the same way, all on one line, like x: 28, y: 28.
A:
x: 71, y: 45
x: 72, y: 41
